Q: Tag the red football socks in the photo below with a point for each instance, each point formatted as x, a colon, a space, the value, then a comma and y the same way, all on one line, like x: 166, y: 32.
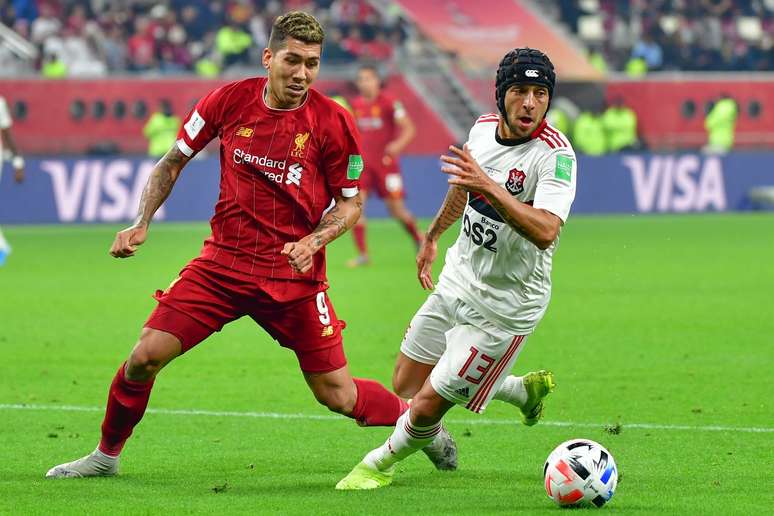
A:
x: 359, y: 232
x: 411, y: 227
x: 126, y: 405
x: 375, y: 405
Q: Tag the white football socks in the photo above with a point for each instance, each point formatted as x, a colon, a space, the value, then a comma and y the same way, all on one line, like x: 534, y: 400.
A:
x: 405, y: 440
x: 4, y: 243
x: 512, y: 390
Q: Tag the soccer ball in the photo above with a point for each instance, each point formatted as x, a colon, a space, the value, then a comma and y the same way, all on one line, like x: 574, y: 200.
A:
x: 580, y: 472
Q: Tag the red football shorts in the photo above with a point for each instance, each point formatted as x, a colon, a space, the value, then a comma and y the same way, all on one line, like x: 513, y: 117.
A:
x: 297, y: 314
x: 386, y: 181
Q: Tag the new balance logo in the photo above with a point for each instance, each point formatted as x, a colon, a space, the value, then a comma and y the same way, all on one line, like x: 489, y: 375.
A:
x: 532, y: 73
x: 294, y: 175
x: 464, y: 391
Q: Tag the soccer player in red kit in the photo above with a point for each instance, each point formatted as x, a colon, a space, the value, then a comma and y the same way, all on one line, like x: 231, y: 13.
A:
x: 286, y: 151
x: 386, y: 129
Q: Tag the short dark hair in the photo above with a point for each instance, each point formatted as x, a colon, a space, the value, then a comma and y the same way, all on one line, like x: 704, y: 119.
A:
x: 297, y: 25
x: 368, y: 65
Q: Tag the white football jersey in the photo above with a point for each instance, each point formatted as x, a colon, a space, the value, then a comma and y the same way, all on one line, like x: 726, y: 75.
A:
x: 504, y: 276
x: 5, y: 115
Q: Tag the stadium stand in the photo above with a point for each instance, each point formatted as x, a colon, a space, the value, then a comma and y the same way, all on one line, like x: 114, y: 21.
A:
x: 440, y: 54
x: 685, y: 35
x: 94, y: 38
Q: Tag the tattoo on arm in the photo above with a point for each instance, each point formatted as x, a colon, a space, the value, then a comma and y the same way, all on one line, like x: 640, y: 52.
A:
x: 160, y: 184
x: 337, y: 221
x: 451, y: 210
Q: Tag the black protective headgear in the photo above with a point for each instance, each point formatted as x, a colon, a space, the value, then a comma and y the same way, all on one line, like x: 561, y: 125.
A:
x: 523, y: 66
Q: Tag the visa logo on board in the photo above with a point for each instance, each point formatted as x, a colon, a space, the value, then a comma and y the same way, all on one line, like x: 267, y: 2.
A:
x: 677, y: 183
x: 97, y: 190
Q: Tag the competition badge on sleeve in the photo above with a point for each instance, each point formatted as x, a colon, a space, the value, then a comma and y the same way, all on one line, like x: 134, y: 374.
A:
x: 354, y: 166
x: 564, y: 168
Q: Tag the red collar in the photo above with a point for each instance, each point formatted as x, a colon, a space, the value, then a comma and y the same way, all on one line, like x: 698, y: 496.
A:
x: 518, y: 141
x: 539, y: 129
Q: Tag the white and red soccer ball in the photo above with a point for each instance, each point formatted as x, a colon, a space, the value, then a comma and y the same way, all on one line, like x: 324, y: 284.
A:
x: 580, y: 472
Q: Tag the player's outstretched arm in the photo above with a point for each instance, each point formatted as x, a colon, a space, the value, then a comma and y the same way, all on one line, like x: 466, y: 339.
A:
x: 16, y: 159
x: 541, y: 227
x: 334, y: 223
x: 157, y: 189
x: 450, y: 211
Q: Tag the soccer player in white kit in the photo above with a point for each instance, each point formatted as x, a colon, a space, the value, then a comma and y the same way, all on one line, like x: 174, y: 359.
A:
x: 8, y: 151
x: 513, y: 183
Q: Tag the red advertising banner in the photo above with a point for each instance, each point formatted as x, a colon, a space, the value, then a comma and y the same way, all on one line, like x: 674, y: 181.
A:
x: 75, y: 116
x: 671, y: 113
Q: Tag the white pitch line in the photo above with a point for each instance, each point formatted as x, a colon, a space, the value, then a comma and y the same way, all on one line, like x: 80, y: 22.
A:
x: 331, y: 417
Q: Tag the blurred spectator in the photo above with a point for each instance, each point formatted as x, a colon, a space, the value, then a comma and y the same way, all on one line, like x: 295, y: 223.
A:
x: 620, y: 123
x: 562, y: 114
x: 52, y: 67
x: 141, y: 47
x: 233, y: 43
x: 687, y: 35
x: 340, y: 99
x: 93, y: 37
x: 649, y: 51
x: 588, y: 134
x: 720, y: 124
x: 636, y: 67
x: 161, y: 130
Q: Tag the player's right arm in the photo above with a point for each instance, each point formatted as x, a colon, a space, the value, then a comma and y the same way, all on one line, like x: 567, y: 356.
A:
x: 451, y: 210
x: 199, y: 127
x: 157, y: 189
x: 6, y: 141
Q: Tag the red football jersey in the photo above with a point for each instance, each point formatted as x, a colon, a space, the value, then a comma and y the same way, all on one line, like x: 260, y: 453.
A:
x: 279, y: 171
x: 376, y: 121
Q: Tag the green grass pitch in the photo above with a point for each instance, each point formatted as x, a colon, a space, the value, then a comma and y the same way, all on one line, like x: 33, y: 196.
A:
x: 664, y: 325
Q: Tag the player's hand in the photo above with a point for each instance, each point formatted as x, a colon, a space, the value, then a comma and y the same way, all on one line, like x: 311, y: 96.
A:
x: 18, y: 174
x: 299, y: 255
x: 392, y: 150
x: 465, y: 171
x: 425, y: 258
x: 127, y: 240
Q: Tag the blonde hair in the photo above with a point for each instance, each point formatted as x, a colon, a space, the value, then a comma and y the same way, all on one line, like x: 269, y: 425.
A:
x: 297, y: 25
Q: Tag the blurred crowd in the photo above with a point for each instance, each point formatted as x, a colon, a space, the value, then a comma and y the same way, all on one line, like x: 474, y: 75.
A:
x: 100, y: 37
x: 638, y: 36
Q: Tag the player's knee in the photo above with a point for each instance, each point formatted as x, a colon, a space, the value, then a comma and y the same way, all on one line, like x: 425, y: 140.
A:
x: 149, y: 356
x: 424, y: 411
x: 403, y: 385
x: 337, y: 400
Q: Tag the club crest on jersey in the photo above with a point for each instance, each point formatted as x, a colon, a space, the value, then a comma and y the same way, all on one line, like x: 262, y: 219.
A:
x: 300, y: 142
x: 515, y: 183
x: 245, y: 132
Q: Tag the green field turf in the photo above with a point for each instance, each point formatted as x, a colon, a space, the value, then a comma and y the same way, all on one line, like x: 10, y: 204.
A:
x: 664, y: 325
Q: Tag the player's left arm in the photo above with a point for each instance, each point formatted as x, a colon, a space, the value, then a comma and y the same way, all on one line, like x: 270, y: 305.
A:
x: 343, y: 163
x: 539, y: 226
x: 334, y: 223
x: 406, y: 133
x: 17, y: 161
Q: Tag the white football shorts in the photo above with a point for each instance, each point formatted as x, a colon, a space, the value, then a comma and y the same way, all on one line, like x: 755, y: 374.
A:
x: 472, y: 357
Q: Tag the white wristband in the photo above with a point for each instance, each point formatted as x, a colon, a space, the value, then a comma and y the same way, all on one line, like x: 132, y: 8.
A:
x: 17, y: 162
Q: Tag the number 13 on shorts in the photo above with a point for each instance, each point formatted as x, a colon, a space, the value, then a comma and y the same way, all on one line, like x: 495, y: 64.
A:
x: 474, y: 365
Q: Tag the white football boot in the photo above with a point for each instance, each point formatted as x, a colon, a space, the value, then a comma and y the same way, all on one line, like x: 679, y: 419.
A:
x: 95, y: 464
x: 442, y: 451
